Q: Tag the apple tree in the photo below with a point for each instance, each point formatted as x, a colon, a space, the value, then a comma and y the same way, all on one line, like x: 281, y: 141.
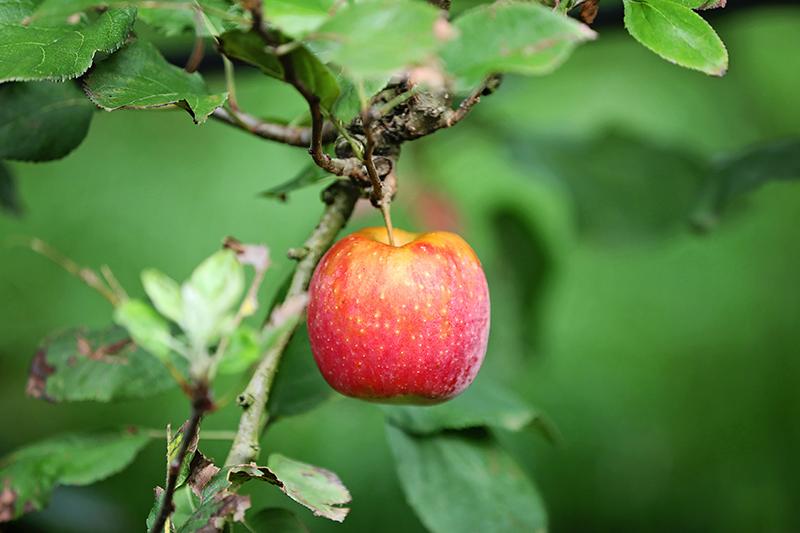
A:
x: 374, y: 74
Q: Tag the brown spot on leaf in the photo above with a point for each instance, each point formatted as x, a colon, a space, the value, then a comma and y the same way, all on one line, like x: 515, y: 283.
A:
x: 106, y: 354
x: 589, y: 10
x: 8, y: 502
x: 37, y: 377
x: 201, y: 470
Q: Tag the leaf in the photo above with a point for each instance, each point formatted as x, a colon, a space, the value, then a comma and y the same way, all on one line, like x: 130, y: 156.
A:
x: 701, y: 4
x: 677, y: 34
x: 624, y: 190
x: 298, y: 386
x: 215, y: 286
x: 103, y: 365
x: 13, y: 11
x: 210, y: 492
x: 481, y: 405
x: 348, y: 105
x: 9, y: 197
x: 523, y: 38
x: 146, y: 327
x: 173, y: 449
x: 313, y: 487
x: 256, y: 256
x: 465, y: 482
x: 744, y: 173
x: 374, y: 39
x: 42, y: 121
x: 219, y: 279
x: 244, y: 350
x: 276, y: 520
x: 29, y: 475
x: 164, y: 292
x: 58, y: 53
x: 311, y: 174
x: 138, y: 77
x: 297, y: 19
x: 247, y: 46
x: 174, y: 17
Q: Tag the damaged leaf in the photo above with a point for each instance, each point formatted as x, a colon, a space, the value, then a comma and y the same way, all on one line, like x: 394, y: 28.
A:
x: 102, y: 365
x: 29, y: 475
x: 313, y: 487
x: 138, y: 77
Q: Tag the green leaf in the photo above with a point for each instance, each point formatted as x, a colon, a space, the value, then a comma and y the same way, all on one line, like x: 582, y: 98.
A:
x: 481, y: 405
x: 373, y: 39
x: 219, y: 279
x: 677, y: 34
x: 215, y: 286
x: 311, y: 486
x: 743, y: 173
x: 523, y: 38
x: 9, y: 197
x: 138, y: 77
x: 59, y: 53
x: 243, y: 351
x: 42, y: 121
x: 173, y: 448
x: 298, y: 386
x: 29, y: 475
x: 348, y: 105
x: 102, y: 366
x: 174, y: 17
x: 297, y: 19
x: 310, y: 175
x: 247, y: 46
x: 701, y: 4
x: 13, y: 11
x: 165, y: 293
x: 465, y: 482
x: 146, y: 327
x: 276, y: 520
x: 638, y: 191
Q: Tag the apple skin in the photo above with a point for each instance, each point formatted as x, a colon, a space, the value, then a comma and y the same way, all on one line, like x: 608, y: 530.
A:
x: 399, y: 324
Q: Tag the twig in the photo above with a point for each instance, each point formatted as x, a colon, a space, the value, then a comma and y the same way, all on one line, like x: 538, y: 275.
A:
x: 87, y: 275
x: 201, y: 404
x: 340, y: 198
x: 291, y: 135
x: 455, y: 116
x: 350, y: 167
x: 381, y: 197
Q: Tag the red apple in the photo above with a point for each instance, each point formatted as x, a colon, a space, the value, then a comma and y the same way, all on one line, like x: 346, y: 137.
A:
x: 399, y: 324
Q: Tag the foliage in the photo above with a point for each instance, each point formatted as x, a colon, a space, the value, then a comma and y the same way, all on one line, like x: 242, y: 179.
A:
x: 455, y: 469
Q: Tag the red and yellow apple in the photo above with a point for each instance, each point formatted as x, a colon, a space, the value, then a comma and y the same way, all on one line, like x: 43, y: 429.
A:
x: 399, y: 324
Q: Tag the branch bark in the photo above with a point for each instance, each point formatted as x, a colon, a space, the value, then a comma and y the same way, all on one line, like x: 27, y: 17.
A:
x: 201, y: 404
x: 340, y: 200
x: 291, y: 135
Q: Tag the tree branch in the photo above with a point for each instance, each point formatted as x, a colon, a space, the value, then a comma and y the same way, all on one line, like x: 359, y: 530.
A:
x: 201, y: 404
x: 340, y: 199
x: 487, y: 87
x: 340, y: 167
x: 291, y: 135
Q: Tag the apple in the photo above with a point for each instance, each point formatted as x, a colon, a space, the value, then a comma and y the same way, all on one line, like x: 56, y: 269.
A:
x: 399, y: 324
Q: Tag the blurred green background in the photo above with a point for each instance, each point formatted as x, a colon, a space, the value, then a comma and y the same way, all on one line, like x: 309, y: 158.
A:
x: 668, y: 360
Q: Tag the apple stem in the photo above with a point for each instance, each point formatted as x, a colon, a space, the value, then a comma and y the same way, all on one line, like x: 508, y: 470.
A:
x: 387, y: 220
